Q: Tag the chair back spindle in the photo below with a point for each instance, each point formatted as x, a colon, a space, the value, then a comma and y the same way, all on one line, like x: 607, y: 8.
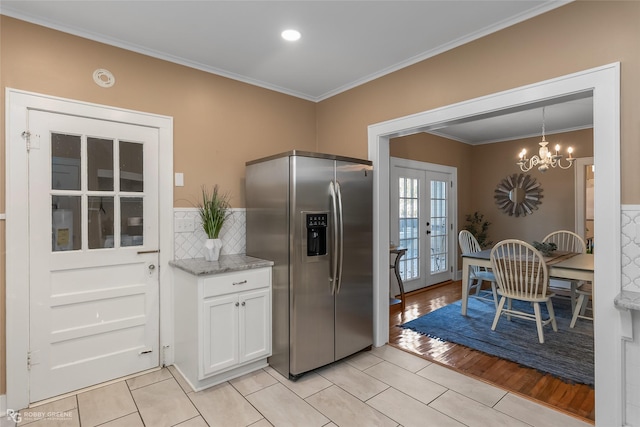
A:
x: 566, y: 240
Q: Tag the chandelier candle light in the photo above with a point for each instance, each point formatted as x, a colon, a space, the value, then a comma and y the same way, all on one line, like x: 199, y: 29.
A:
x: 544, y: 160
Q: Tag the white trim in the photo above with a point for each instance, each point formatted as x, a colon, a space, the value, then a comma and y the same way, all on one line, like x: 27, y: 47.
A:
x: 452, y: 205
x: 579, y: 196
x: 604, y: 82
x: 626, y: 208
x: 18, y: 103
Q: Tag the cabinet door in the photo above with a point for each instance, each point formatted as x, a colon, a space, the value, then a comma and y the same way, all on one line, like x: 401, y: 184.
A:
x: 255, y: 325
x: 220, y: 334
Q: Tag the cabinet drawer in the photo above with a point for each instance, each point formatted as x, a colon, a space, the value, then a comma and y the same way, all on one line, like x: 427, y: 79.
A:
x: 237, y: 281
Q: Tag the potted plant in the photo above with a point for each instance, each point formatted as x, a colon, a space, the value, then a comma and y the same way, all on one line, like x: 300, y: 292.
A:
x: 478, y: 226
x: 214, y: 209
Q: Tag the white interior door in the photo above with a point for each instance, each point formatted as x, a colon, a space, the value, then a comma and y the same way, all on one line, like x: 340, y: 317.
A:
x: 421, y: 223
x: 93, y: 249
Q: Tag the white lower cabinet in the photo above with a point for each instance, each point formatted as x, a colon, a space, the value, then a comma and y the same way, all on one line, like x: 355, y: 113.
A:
x: 223, y: 325
x: 237, y: 329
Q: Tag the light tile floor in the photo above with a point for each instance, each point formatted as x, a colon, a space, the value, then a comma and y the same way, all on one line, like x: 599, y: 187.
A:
x: 383, y: 387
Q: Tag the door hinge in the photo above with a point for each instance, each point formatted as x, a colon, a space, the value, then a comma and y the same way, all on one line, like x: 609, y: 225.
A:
x: 33, y: 358
x: 29, y: 143
x: 26, y: 135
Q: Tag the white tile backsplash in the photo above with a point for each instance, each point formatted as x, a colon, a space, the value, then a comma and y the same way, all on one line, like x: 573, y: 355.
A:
x: 189, y: 244
x: 630, y: 241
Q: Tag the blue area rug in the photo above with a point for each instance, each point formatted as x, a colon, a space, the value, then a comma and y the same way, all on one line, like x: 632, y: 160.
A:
x: 566, y: 354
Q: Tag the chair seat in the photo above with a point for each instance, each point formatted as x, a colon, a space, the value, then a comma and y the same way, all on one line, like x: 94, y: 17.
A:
x: 536, y: 298
x: 484, y: 275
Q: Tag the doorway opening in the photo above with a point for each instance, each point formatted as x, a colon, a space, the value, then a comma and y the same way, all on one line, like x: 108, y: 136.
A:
x: 604, y: 83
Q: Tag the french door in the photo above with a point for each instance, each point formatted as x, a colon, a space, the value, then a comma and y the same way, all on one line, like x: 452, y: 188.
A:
x: 421, y: 205
x: 93, y: 250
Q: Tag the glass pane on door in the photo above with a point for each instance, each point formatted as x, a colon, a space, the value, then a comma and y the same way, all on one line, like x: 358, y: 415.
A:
x: 100, y: 222
x: 439, y: 232
x: 409, y: 237
x: 65, y: 162
x: 131, y: 221
x: 66, y: 221
x: 100, y: 164
x: 131, y: 167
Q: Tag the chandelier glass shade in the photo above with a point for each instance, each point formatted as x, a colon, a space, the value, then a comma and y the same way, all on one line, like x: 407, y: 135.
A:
x: 545, y: 159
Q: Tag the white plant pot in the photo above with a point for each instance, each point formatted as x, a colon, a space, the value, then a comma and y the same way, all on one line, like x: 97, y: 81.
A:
x: 212, y: 249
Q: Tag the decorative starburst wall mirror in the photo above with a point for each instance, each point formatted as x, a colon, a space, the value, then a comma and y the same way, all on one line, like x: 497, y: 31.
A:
x: 518, y: 194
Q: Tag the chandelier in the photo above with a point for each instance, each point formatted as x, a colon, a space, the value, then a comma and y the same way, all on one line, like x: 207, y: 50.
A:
x: 545, y: 159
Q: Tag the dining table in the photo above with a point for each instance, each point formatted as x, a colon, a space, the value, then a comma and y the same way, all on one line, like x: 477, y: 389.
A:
x: 564, y: 265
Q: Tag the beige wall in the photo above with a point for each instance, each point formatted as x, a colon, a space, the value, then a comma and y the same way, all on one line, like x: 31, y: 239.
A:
x: 572, y: 38
x: 557, y: 210
x: 482, y: 167
x: 429, y: 148
x: 220, y: 123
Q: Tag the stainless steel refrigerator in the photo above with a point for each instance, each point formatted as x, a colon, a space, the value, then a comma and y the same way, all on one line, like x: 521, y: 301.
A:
x: 311, y: 214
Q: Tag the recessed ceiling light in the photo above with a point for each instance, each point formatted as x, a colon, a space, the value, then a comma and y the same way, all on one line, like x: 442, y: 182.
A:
x: 291, y: 35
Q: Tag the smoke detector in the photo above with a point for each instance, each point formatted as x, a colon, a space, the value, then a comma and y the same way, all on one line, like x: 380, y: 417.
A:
x: 103, y: 78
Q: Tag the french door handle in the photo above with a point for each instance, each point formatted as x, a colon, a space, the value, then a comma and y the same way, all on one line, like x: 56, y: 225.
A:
x: 157, y: 251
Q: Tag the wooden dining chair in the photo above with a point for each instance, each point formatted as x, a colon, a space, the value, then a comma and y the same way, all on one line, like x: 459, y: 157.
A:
x: 585, y: 292
x: 521, y: 274
x: 469, y: 244
x: 569, y: 241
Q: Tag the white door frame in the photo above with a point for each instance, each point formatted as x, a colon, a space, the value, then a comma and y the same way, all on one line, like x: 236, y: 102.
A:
x: 580, y: 186
x: 604, y: 82
x: 452, y: 206
x: 18, y: 104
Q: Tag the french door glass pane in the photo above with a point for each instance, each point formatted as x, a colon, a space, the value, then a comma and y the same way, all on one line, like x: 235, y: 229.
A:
x: 408, y: 227
x: 66, y: 220
x: 439, y: 231
x: 101, y: 214
x: 65, y: 162
x: 100, y: 164
x: 131, y: 209
x: 131, y: 167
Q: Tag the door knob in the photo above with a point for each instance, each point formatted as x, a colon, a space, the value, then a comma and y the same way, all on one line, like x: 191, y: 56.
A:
x: 152, y: 267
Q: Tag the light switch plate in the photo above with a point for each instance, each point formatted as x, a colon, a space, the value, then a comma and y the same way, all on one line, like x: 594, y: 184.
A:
x: 179, y: 179
x: 184, y: 225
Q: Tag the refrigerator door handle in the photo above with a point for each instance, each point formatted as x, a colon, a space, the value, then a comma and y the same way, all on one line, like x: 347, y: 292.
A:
x: 334, y: 252
x: 341, y: 237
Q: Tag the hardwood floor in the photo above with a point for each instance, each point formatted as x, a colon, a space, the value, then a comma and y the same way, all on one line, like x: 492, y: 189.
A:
x: 574, y: 399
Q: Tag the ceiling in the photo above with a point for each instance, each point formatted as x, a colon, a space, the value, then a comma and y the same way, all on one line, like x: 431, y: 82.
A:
x: 344, y: 43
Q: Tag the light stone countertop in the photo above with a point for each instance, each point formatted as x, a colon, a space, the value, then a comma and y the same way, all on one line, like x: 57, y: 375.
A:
x: 628, y: 299
x: 225, y: 264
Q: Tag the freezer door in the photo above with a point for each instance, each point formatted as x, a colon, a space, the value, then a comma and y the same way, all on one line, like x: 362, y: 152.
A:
x: 354, y: 299
x: 311, y: 299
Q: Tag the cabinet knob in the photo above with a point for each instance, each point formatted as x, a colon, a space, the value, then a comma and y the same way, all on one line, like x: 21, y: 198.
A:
x: 244, y: 303
x: 237, y: 304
